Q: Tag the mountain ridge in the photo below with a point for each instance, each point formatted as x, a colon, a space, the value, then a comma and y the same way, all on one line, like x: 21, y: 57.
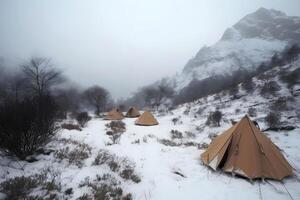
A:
x: 252, y: 40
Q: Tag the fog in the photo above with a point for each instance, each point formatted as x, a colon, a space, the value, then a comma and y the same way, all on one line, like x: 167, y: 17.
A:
x: 120, y: 45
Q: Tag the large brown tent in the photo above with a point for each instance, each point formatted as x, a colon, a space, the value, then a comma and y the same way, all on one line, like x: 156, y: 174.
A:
x: 114, y: 114
x: 133, y: 112
x: 244, y: 150
x: 146, y: 119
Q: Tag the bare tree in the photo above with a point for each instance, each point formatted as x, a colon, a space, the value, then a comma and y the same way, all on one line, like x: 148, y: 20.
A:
x: 214, y: 118
x: 41, y: 75
x: 154, y: 95
x: 28, y: 112
x: 97, y: 97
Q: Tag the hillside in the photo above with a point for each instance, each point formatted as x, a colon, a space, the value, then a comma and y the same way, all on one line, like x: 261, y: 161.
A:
x: 152, y: 163
x: 248, y: 43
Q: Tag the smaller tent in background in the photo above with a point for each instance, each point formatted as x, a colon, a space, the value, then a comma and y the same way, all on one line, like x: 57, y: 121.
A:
x: 114, y: 114
x: 146, y: 119
x: 133, y: 112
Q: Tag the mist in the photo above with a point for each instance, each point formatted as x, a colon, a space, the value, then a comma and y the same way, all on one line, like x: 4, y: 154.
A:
x: 116, y: 44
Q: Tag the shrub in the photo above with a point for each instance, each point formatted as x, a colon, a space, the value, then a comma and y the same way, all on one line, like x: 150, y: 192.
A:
x: 190, y: 134
x: 175, y: 120
x: 189, y: 144
x: 104, y: 187
x: 85, y: 197
x: 116, y: 126
x: 115, y: 138
x: 238, y: 110
x: 123, y: 166
x: 18, y: 187
x: 280, y: 104
x: 27, y: 125
x: 167, y: 142
x: 75, y: 156
x: 270, y: 89
x: 252, y: 112
x: 175, y: 134
x: 102, y: 157
x: 82, y: 118
x: 69, y: 191
x: 200, y: 110
x: 273, y: 119
x: 248, y: 86
x: 203, y: 145
x: 129, y: 174
x: 214, y: 118
x: 71, y: 127
x: 212, y: 136
x: 22, y: 187
x: 291, y: 78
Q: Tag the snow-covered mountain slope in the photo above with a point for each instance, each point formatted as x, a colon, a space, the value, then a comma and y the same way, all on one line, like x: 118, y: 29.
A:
x: 254, y: 39
x: 168, y: 167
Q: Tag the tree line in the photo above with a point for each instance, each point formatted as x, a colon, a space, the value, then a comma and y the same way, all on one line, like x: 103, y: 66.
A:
x: 33, y: 98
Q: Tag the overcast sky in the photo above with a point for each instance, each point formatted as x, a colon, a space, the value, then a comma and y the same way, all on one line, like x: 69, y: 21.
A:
x: 124, y: 44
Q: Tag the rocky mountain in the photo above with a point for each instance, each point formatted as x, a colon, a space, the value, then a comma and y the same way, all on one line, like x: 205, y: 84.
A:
x: 251, y: 41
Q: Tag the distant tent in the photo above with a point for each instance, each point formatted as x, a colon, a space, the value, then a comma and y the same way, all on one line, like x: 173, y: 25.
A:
x: 114, y: 114
x: 146, y: 119
x: 246, y: 151
x: 133, y: 112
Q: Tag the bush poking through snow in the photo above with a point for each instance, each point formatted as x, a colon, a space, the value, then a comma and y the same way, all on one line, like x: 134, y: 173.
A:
x: 200, y: 111
x: 22, y: 187
x: 214, y: 118
x: 115, y: 138
x: 252, y: 112
x: 212, y: 136
x: 102, y: 157
x: 27, y: 124
x: 175, y: 134
x: 129, y: 174
x: 237, y: 111
x: 203, y: 145
x: 248, y: 86
x: 190, y: 134
x: 104, y: 187
x: 167, y: 142
x: 136, y: 141
x: 291, y: 78
x: 186, y: 111
x: 116, y: 126
x: 71, y: 127
x: 123, y: 166
x: 281, y: 104
x: 75, y: 155
x: 19, y: 187
x: 273, y: 119
x: 270, y: 89
x: 175, y: 120
x: 83, y: 118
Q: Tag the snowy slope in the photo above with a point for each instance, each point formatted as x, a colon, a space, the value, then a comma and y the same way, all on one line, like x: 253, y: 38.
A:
x: 156, y: 162
x: 254, y: 39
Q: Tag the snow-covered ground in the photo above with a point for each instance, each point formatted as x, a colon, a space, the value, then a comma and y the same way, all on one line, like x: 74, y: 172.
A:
x: 171, y: 172
x: 156, y: 164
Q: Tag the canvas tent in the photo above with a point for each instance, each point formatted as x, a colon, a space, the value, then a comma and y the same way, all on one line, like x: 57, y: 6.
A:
x: 114, y: 114
x: 146, y: 119
x: 245, y: 151
x: 133, y: 112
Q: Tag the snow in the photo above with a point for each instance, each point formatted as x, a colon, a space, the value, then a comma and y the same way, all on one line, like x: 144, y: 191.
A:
x: 251, y: 41
x: 227, y: 56
x: 157, y: 163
